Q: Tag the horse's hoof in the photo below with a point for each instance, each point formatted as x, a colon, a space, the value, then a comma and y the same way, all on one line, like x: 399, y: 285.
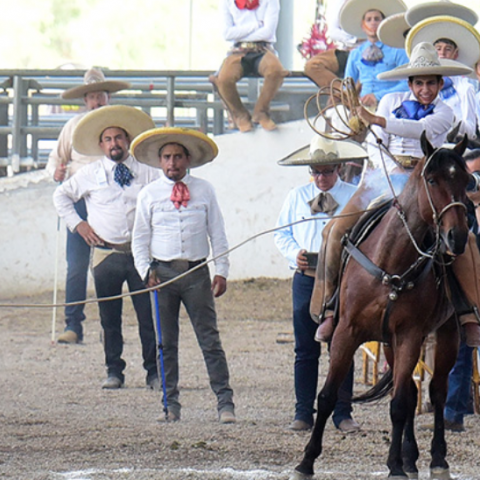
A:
x: 398, y: 477
x: 412, y: 475
x: 296, y: 475
x: 440, y: 474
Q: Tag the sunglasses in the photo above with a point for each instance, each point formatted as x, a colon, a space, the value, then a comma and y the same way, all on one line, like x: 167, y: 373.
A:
x: 325, y: 173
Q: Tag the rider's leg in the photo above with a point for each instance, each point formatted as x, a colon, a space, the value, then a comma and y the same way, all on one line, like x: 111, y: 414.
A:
x: 467, y: 270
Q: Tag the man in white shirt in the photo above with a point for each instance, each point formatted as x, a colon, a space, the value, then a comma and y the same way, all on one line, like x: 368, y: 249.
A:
x: 178, y: 218
x: 250, y: 25
x: 110, y: 187
x: 399, y: 122
x: 63, y: 162
x: 321, y: 198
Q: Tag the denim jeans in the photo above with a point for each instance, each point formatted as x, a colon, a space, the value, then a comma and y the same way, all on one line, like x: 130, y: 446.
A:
x: 78, y: 259
x: 307, y: 355
x: 459, y: 385
x: 109, y: 276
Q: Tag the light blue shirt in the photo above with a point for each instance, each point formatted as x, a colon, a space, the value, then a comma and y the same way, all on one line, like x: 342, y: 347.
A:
x: 367, y: 75
x: 306, y: 235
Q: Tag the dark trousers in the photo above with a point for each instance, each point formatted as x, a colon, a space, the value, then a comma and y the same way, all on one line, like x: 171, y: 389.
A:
x: 78, y: 259
x: 110, y: 276
x: 194, y: 291
x: 307, y: 355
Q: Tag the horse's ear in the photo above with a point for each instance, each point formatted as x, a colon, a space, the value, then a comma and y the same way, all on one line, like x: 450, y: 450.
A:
x: 461, y: 146
x: 427, y: 147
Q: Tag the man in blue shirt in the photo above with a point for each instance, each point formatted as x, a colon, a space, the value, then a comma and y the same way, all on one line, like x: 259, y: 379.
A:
x: 320, y: 199
x: 372, y: 57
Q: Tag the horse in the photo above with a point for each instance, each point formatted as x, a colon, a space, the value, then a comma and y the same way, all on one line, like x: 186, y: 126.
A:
x: 390, y: 292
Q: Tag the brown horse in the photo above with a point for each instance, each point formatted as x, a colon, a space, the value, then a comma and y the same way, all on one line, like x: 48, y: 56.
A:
x: 392, y: 295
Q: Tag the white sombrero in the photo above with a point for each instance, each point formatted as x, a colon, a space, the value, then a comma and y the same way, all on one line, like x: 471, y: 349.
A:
x: 440, y: 7
x: 393, y: 30
x: 323, y: 151
x: 86, y: 136
x: 146, y: 146
x: 352, y: 12
x: 424, y: 61
x: 94, y: 81
x: 459, y: 31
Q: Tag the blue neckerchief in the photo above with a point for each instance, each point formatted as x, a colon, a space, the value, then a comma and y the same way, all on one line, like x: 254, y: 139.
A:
x: 122, y: 175
x: 448, y: 90
x: 413, y: 110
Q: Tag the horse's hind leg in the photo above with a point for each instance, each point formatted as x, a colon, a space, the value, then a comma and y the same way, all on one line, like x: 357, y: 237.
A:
x: 445, y: 355
x: 341, y: 356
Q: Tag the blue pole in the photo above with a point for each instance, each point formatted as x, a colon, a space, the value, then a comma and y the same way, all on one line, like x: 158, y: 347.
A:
x: 160, y: 354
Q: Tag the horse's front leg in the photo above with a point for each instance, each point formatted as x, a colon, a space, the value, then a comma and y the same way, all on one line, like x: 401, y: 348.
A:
x: 446, y: 351
x: 402, y: 406
x: 341, y: 356
x: 410, y: 451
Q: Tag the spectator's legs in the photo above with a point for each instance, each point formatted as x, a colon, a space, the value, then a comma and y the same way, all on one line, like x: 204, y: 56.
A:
x: 322, y: 68
x: 230, y: 73
x: 273, y: 73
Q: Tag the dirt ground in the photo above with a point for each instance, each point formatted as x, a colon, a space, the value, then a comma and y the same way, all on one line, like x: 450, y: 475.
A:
x: 57, y: 423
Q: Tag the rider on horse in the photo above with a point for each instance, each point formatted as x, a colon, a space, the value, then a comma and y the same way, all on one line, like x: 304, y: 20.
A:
x: 398, y: 124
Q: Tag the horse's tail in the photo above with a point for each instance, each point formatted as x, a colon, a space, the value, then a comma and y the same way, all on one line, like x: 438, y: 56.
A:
x: 382, y: 388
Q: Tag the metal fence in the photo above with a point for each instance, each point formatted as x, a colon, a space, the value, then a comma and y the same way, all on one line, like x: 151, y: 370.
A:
x: 32, y: 112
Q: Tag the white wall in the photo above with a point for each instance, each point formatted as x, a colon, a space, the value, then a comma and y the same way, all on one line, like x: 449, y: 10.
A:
x: 250, y: 186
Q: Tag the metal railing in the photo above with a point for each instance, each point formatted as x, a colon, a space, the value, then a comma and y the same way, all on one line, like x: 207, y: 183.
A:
x: 32, y: 111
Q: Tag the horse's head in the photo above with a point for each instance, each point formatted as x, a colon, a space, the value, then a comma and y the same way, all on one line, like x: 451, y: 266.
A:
x: 442, y: 200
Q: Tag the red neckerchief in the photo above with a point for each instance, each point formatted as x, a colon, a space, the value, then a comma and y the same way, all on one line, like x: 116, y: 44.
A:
x: 248, y: 4
x: 180, y: 195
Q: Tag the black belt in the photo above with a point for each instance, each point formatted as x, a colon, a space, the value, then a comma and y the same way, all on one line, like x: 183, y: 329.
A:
x: 172, y: 262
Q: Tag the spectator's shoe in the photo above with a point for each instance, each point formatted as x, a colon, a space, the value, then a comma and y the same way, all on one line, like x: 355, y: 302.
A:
x: 226, y: 416
x: 154, y: 383
x: 454, y: 426
x: 265, y: 121
x: 68, y: 336
x: 472, y: 334
x: 112, y: 383
x: 300, y: 426
x: 172, y: 416
x: 325, y: 330
x: 348, y: 425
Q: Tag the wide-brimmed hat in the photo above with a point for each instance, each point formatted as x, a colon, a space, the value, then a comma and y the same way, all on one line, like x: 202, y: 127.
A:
x: 426, y: 10
x: 352, y: 12
x: 424, y: 61
x: 94, y: 81
x: 393, y: 30
x: 323, y: 151
x: 146, y: 146
x: 86, y: 136
x: 459, y: 31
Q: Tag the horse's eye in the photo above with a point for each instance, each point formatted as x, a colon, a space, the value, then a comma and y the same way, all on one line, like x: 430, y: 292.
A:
x: 431, y: 181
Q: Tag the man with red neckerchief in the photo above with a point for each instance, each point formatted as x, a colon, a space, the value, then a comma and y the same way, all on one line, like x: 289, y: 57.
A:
x: 250, y: 25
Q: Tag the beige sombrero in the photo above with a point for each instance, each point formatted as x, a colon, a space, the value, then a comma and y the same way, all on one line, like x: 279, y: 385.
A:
x: 146, y: 146
x: 426, y: 10
x: 393, y: 30
x: 424, y: 61
x: 86, y: 136
x: 461, y: 32
x: 352, y: 12
x: 323, y: 151
x: 94, y: 81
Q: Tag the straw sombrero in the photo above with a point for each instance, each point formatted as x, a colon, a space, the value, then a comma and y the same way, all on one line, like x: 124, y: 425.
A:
x: 426, y: 10
x: 424, y: 61
x: 146, y: 146
x: 323, y: 151
x: 352, y: 12
x: 452, y: 28
x: 86, y: 136
x: 393, y: 30
x: 94, y: 81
